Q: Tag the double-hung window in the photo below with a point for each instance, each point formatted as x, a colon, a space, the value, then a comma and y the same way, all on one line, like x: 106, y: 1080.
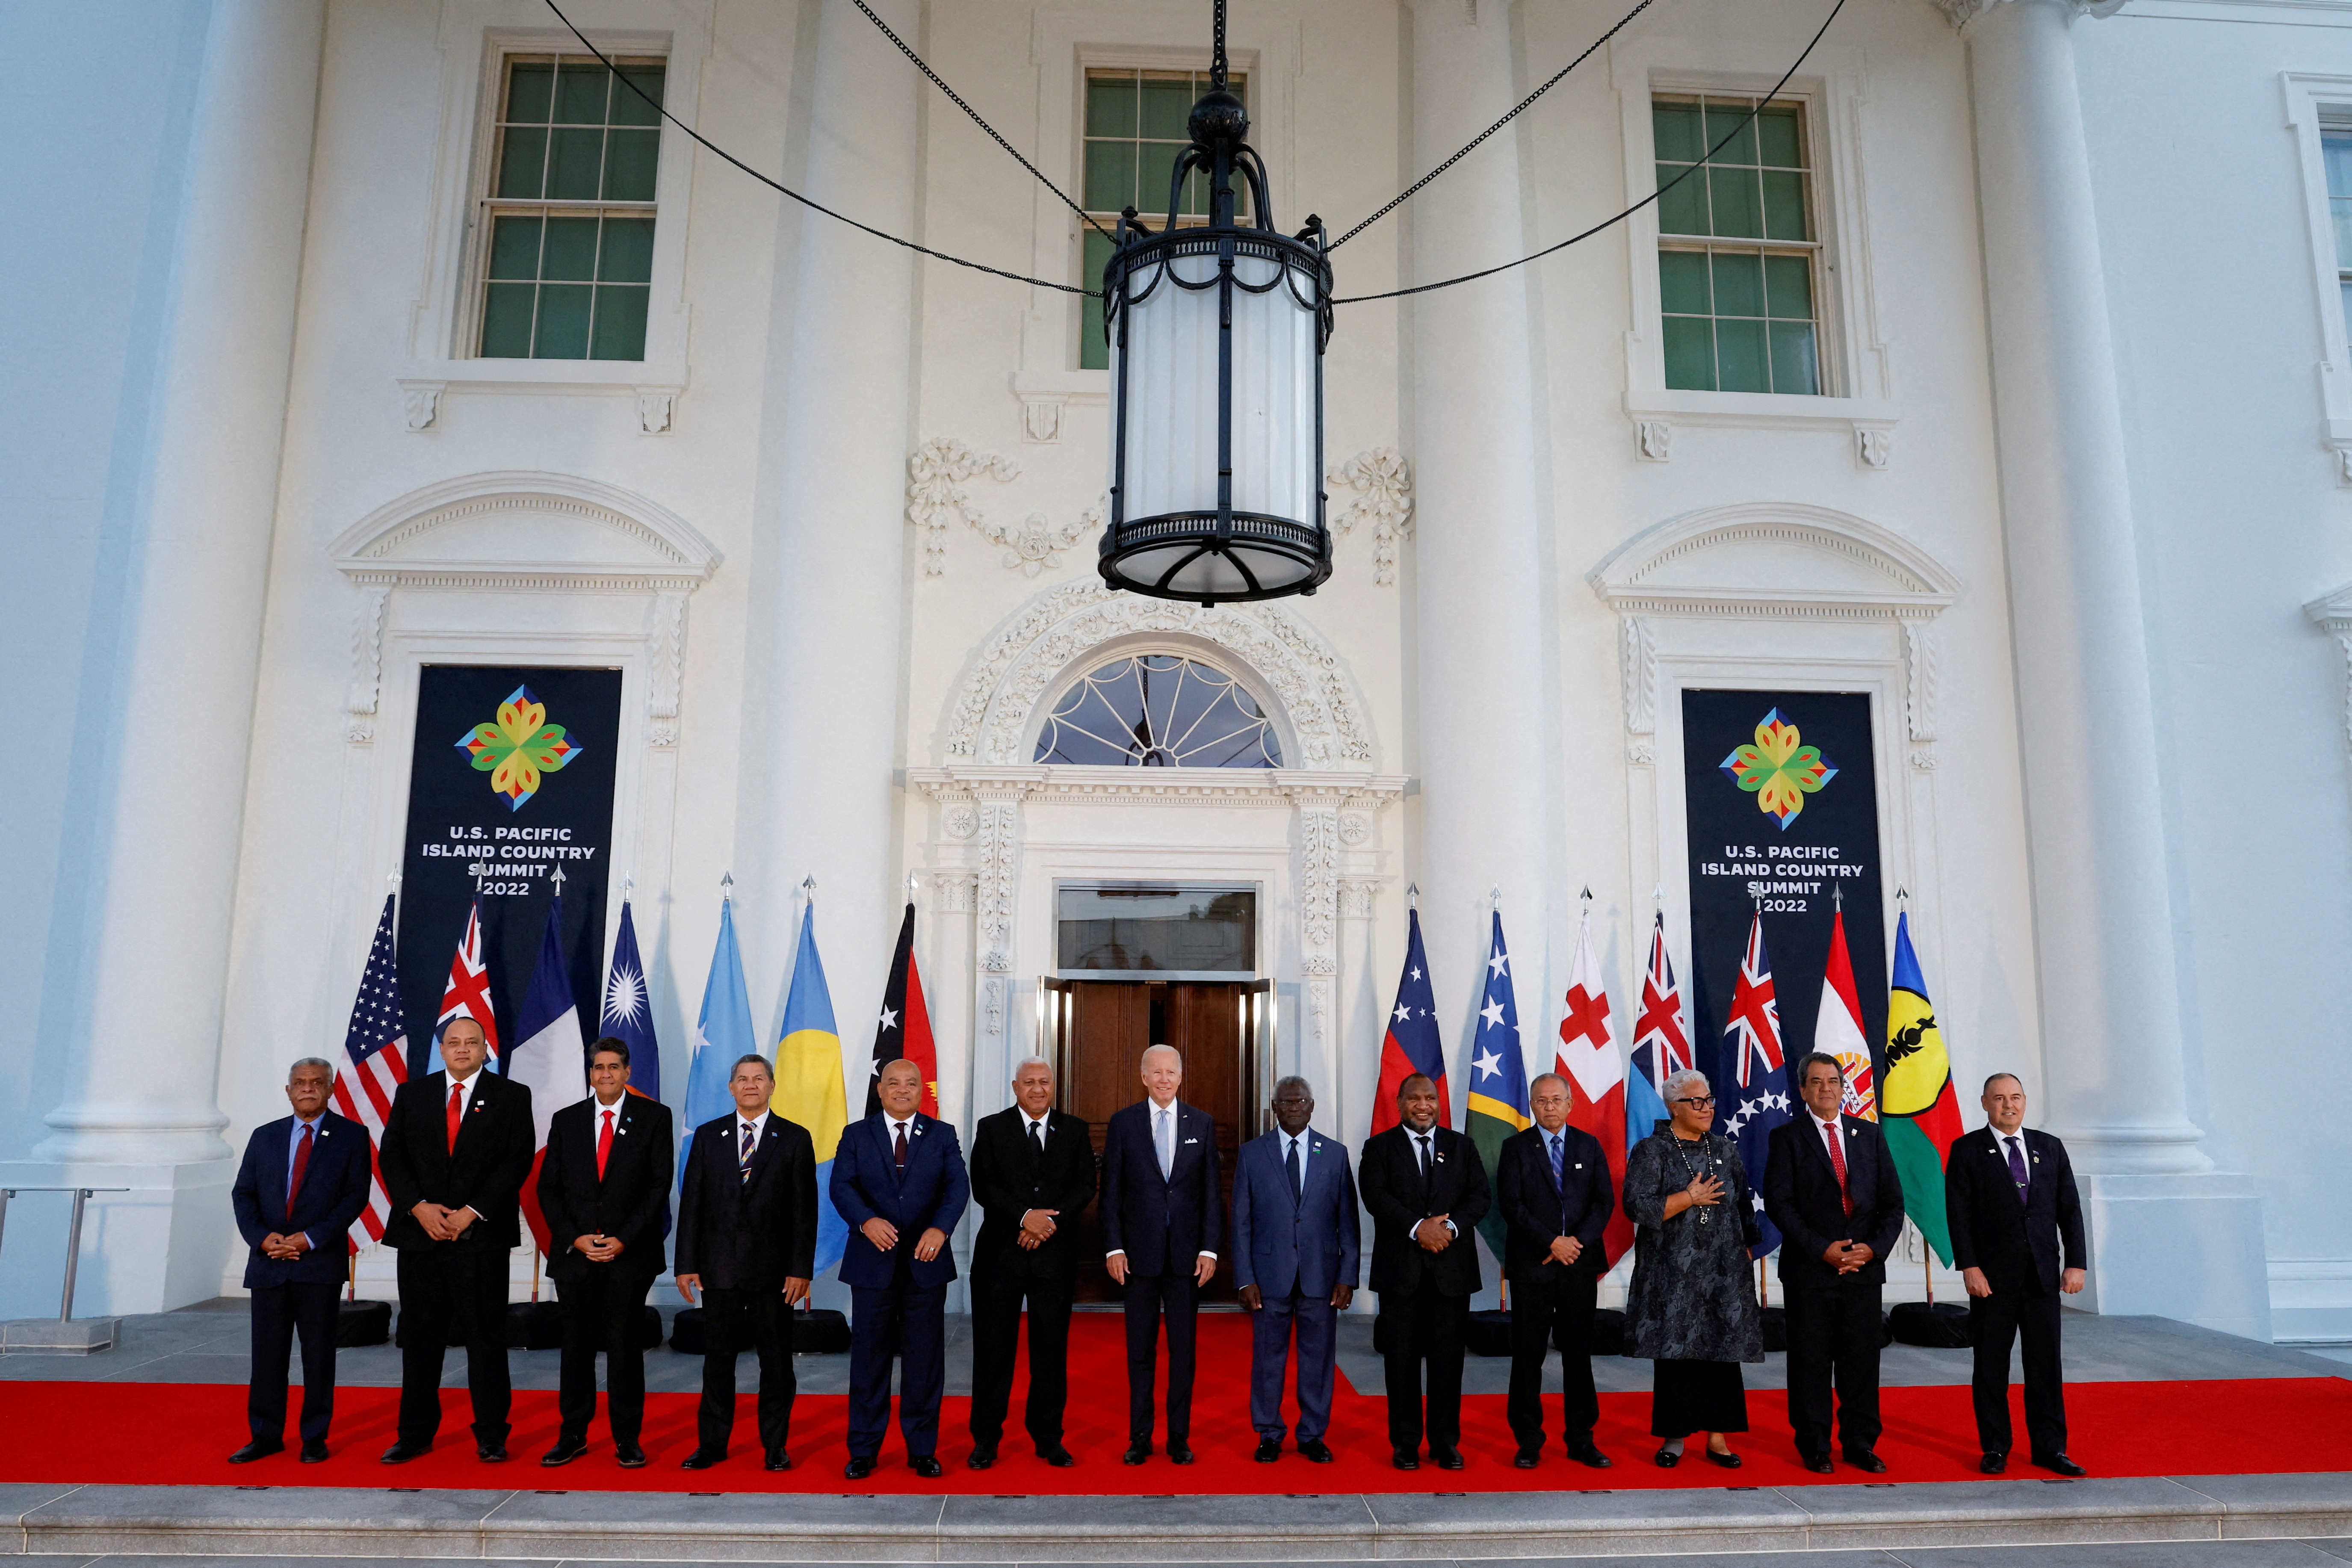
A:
x: 567, y: 224
x: 2336, y: 152
x: 1739, y: 248
x: 1134, y: 130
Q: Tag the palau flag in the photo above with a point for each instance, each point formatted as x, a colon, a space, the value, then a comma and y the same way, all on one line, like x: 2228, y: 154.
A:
x: 808, y: 1081
x: 722, y: 1035
x: 1916, y: 1104
x: 1411, y: 1045
x: 1498, y: 1078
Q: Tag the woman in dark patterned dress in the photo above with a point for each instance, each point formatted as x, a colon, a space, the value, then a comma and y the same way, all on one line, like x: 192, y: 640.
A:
x: 1691, y: 1308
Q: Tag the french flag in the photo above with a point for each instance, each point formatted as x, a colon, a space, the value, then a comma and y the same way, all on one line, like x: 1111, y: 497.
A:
x: 1411, y: 1045
x: 550, y: 1056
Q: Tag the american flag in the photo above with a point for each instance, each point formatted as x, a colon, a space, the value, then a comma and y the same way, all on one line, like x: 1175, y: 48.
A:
x: 468, y: 992
x: 377, y: 1045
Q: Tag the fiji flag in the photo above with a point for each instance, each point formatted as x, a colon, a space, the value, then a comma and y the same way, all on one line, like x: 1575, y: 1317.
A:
x: 1498, y: 1078
x: 1661, y: 1041
x: 628, y: 1013
x: 1751, y: 1091
x: 808, y: 1081
x: 1412, y: 1045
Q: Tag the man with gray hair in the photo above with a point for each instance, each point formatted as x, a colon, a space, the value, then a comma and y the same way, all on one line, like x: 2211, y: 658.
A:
x: 1162, y: 1211
x: 303, y: 1184
x: 1298, y: 1247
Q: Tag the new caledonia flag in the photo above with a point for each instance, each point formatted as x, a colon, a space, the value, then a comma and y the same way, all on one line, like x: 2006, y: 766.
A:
x: 1411, y: 1045
x: 1916, y: 1104
x: 1498, y: 1077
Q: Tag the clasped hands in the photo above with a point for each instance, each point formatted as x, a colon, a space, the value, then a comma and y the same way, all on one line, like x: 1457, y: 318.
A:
x: 1433, y: 1234
x: 598, y: 1248
x: 885, y: 1237
x: 1847, y: 1257
x: 442, y: 1224
x: 285, y: 1248
x: 1037, y: 1227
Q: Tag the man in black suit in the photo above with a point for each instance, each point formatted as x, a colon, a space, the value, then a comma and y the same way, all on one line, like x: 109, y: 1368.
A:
x: 303, y: 1184
x: 1032, y: 1170
x: 1426, y: 1189
x: 1829, y: 1184
x: 457, y: 1147
x: 2016, y: 1235
x: 1552, y: 1183
x: 603, y: 1187
x: 1163, y: 1210
x: 747, y: 1240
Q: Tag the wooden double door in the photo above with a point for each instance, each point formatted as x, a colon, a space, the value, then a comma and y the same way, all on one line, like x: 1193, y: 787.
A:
x: 1095, y: 1034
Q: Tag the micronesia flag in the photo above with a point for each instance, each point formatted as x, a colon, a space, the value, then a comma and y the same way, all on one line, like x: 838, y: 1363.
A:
x: 809, y: 1087
x: 1412, y: 1045
x: 1661, y: 1041
x: 722, y: 1035
x: 1751, y: 1091
x: 629, y: 1010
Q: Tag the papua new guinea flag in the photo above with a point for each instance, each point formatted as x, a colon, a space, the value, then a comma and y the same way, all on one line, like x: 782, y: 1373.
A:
x: 1411, y: 1045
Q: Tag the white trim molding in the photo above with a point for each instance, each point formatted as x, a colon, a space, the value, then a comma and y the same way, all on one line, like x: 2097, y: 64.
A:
x: 1383, y: 480
x: 2332, y: 614
x: 2308, y: 99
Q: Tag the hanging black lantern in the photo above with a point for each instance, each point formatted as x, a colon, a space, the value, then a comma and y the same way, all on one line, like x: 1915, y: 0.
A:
x: 1217, y: 334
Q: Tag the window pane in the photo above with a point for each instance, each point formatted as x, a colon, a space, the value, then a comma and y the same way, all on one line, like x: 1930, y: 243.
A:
x: 522, y: 161
x: 1738, y: 352
x: 2340, y: 208
x: 514, y: 249
x: 620, y: 323
x: 563, y: 320
x: 571, y: 249
x: 1722, y: 115
x: 628, y: 108
x: 1166, y: 105
x: 1795, y: 366
x: 2335, y: 151
x: 1784, y: 206
x: 1110, y: 176
x: 2346, y: 286
x: 628, y: 254
x: 1675, y: 128
x: 1682, y: 209
x: 1093, y: 353
x: 1690, y: 354
x: 1789, y: 284
x: 575, y: 163
x: 528, y: 90
x: 1738, y: 280
x: 580, y: 91
x: 505, y: 320
x: 1779, y: 138
x: 1110, y: 105
x: 1682, y: 283
x: 1734, y: 201
x: 632, y: 156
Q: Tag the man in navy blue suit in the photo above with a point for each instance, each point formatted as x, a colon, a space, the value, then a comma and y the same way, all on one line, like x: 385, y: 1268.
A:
x: 1297, y: 1249
x: 302, y: 1186
x: 1161, y: 1212
x: 1551, y: 1183
x: 899, y: 1178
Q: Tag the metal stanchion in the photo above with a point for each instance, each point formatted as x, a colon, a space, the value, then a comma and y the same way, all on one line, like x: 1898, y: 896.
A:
x: 37, y: 1334
x: 73, y: 1252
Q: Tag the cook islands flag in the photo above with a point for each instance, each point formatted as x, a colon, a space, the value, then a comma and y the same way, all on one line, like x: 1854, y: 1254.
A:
x: 1916, y: 1104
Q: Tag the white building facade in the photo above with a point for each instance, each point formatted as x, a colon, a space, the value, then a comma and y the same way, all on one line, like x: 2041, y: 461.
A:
x: 2037, y: 429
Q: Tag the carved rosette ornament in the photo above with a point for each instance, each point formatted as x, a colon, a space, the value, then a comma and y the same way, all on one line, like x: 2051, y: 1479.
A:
x: 936, y: 497
x: 1383, y: 482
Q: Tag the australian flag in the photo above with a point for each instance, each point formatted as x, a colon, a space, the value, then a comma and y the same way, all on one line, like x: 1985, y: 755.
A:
x: 1751, y: 1087
x: 1412, y: 1045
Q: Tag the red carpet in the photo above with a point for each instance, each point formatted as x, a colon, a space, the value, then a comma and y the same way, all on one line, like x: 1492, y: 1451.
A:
x: 137, y: 1433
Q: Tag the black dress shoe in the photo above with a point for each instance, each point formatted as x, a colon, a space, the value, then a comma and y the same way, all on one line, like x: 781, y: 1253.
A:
x: 1137, y: 1452
x: 1864, y: 1459
x: 1316, y: 1451
x: 1405, y: 1459
x: 1583, y: 1452
x: 1528, y: 1458
x: 2060, y: 1463
x: 1056, y: 1455
x: 982, y: 1458
x: 1993, y: 1464
x: 491, y: 1453
x: 629, y: 1456
x: 779, y: 1460
x: 860, y: 1466
x: 1179, y: 1451
x: 926, y: 1466
x: 563, y: 1454
x: 1728, y: 1461
x: 1817, y: 1463
x: 259, y: 1448
x: 400, y: 1453
x: 1668, y: 1459
x: 1269, y: 1449
x: 1446, y: 1459
x: 314, y: 1451
x: 702, y: 1459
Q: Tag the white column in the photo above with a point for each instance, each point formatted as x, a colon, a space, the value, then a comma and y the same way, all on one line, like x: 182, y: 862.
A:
x: 2112, y: 1073
x: 1485, y: 691
x: 141, y: 1111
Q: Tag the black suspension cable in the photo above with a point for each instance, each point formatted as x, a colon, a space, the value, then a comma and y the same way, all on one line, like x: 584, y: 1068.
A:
x: 705, y: 142
x: 1414, y: 189
x: 1612, y: 222
x: 954, y: 98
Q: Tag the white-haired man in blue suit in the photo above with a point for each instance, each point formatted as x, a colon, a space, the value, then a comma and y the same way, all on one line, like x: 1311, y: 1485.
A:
x: 1298, y: 1250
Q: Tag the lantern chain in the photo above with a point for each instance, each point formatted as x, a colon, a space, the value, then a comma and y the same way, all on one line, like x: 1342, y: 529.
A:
x: 1217, y: 57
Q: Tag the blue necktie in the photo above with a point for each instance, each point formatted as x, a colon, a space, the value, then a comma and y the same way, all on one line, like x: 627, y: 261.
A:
x: 1555, y: 1159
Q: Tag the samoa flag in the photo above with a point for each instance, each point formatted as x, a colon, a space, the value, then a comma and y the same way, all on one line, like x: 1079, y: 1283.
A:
x: 1412, y: 1045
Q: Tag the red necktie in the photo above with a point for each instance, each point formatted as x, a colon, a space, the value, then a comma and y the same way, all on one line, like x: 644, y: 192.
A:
x: 603, y: 1145
x: 301, y: 1164
x: 1837, y: 1160
x: 456, y: 1113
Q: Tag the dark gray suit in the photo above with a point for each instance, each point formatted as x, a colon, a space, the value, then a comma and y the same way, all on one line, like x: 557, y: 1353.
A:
x: 1296, y: 1246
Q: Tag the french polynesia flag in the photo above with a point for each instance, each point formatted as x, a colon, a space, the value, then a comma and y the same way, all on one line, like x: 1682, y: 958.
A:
x: 1411, y: 1045
x: 1596, y: 1078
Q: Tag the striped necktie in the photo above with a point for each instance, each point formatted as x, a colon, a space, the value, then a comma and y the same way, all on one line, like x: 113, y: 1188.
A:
x: 743, y: 1157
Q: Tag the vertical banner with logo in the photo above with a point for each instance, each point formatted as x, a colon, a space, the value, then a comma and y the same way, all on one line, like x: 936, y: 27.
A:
x: 1780, y: 795
x: 511, y: 778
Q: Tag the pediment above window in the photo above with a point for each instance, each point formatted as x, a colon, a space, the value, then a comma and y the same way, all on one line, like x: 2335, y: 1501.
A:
x: 1773, y: 560
x: 523, y: 530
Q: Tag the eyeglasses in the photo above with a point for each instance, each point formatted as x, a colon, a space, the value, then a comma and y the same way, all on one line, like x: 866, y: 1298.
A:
x: 1696, y: 1099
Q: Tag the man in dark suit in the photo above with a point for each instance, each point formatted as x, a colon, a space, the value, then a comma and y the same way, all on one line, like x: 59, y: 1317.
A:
x: 1829, y: 1184
x: 747, y: 1241
x: 1426, y: 1189
x: 898, y: 1179
x: 604, y: 1188
x: 303, y: 1184
x: 2016, y: 1235
x: 1032, y: 1170
x: 457, y: 1147
x: 1162, y: 1212
x: 1552, y: 1183
x: 1298, y: 1251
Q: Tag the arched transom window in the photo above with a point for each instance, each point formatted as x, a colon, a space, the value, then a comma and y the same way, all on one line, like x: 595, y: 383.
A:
x: 1159, y: 711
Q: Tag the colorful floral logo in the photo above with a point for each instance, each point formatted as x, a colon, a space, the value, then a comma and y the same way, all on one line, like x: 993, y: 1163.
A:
x: 1777, y: 770
x: 521, y: 747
